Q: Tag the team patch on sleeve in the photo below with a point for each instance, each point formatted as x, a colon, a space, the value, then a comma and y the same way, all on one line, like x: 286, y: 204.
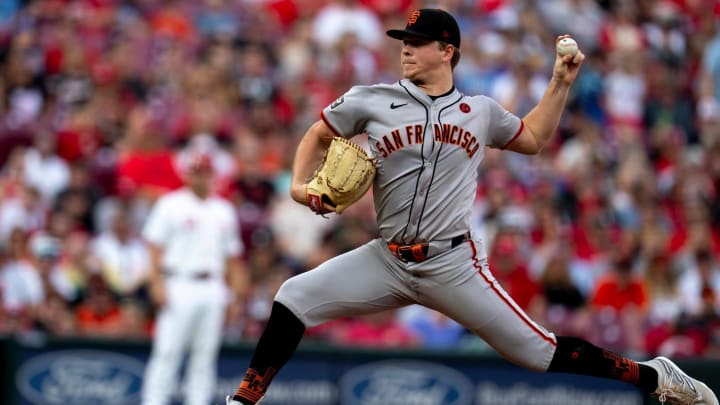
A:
x: 337, y: 102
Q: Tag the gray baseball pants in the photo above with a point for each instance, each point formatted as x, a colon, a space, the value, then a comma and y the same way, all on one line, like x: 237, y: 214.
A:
x: 456, y: 282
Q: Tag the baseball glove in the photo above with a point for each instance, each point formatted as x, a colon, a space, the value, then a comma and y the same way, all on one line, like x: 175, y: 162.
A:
x: 344, y: 176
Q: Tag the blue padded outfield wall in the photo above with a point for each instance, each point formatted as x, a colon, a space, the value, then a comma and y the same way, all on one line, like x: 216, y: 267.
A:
x: 80, y: 372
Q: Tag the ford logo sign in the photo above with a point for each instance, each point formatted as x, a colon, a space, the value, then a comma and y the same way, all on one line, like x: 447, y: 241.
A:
x: 405, y: 382
x: 80, y: 377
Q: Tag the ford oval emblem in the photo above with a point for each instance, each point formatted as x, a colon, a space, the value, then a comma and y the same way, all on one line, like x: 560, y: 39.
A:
x: 405, y: 382
x: 80, y: 377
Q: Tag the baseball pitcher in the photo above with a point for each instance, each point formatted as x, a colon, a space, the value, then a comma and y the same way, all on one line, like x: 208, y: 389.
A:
x: 427, y: 140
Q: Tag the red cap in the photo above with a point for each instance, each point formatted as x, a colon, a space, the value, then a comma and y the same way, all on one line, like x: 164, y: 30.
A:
x: 200, y: 162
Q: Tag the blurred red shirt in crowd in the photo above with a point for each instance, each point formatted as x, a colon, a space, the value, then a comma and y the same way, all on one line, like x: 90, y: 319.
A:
x: 511, y: 271
x: 620, y: 289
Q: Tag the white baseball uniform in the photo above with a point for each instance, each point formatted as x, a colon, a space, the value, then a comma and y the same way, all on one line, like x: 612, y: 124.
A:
x: 197, y: 236
x: 428, y: 152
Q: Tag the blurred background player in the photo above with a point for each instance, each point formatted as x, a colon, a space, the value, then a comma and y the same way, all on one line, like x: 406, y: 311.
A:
x: 194, y: 245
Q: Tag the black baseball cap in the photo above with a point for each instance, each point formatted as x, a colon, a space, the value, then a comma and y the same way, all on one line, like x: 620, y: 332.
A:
x: 430, y: 23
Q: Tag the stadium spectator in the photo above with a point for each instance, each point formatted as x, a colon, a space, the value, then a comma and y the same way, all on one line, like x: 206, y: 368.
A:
x: 379, y: 330
x: 340, y: 18
x: 45, y: 252
x: 145, y: 162
x: 619, y: 301
x: 708, y: 87
x: 44, y: 169
x: 75, y: 264
x: 510, y: 268
x: 102, y: 101
x: 99, y: 313
x: 25, y: 210
x: 79, y: 197
x: 662, y: 289
x: 432, y: 329
x: 123, y: 258
x: 620, y: 289
x: 22, y: 285
x: 700, y: 284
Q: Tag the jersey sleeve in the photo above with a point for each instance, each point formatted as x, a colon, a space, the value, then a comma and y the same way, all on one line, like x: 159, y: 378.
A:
x: 347, y: 115
x: 157, y: 226
x: 503, y: 126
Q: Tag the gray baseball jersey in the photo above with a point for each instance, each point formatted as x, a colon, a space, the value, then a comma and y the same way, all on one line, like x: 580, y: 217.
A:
x: 428, y: 152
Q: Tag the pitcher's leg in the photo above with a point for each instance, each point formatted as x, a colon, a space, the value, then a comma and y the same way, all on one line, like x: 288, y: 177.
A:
x: 274, y: 348
x: 357, y: 282
x: 577, y: 356
x: 659, y: 377
x: 479, y: 302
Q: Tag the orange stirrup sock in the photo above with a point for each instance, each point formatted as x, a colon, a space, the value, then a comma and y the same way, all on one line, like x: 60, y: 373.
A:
x: 254, y: 385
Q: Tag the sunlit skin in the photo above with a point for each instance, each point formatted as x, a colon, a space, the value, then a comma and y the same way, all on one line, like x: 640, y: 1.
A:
x: 426, y: 63
x: 199, y: 181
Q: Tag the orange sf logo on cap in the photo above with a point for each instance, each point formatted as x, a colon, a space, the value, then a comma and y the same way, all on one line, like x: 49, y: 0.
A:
x: 413, y: 17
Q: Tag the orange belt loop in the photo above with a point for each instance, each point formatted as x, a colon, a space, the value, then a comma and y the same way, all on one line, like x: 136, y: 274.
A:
x: 418, y: 251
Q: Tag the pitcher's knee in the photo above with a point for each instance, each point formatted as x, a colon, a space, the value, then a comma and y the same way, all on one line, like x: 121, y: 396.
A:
x: 293, y: 296
x: 289, y: 291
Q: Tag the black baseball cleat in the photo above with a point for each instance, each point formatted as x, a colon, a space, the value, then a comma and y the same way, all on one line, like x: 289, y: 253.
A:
x: 677, y: 388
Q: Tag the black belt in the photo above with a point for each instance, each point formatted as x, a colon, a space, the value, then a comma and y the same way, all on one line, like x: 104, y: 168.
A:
x: 198, y: 275
x: 419, y: 251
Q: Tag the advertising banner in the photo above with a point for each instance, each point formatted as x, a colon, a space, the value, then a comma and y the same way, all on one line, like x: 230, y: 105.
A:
x: 113, y: 375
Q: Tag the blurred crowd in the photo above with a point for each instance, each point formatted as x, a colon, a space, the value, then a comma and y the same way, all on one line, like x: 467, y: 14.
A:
x: 612, y: 233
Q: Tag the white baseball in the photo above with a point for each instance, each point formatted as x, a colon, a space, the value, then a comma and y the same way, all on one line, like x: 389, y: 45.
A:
x: 567, y: 46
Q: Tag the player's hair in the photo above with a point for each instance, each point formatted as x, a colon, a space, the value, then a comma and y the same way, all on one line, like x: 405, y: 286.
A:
x: 456, y: 55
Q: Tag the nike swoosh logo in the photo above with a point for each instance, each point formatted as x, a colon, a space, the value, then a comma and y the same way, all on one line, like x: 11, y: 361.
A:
x: 394, y: 106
